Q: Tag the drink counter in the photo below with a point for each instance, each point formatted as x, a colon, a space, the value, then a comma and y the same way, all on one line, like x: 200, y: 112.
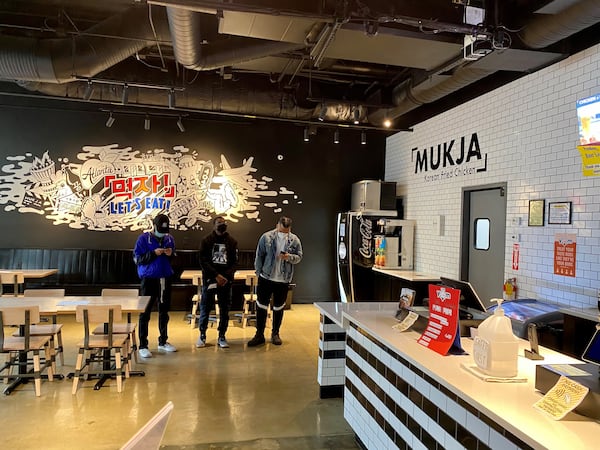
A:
x: 399, y: 394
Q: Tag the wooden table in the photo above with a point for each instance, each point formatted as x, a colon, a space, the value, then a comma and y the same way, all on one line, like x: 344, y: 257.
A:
x: 190, y: 274
x: 18, y: 276
x: 196, y: 274
x: 52, y: 306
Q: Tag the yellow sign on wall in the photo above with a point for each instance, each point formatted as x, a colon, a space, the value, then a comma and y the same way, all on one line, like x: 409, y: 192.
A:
x: 590, y: 160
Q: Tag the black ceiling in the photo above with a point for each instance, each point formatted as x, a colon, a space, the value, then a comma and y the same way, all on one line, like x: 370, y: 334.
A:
x: 327, y: 62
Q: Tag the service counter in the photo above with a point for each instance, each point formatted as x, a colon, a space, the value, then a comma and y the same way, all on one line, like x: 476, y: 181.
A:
x: 398, y: 394
x: 389, y: 283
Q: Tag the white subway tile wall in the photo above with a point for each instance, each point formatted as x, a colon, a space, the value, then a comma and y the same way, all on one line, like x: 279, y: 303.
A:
x: 528, y: 130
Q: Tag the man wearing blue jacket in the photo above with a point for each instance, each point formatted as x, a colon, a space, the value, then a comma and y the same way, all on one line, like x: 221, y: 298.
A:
x: 278, y: 251
x: 152, y: 254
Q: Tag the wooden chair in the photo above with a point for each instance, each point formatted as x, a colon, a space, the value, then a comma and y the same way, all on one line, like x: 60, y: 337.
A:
x: 19, y: 347
x: 11, y: 278
x: 196, y: 299
x: 196, y: 281
x: 249, y: 308
x: 100, y: 348
x: 53, y: 330
x: 122, y: 328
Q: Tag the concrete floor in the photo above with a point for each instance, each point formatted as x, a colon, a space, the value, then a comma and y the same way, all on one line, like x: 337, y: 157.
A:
x: 265, y: 397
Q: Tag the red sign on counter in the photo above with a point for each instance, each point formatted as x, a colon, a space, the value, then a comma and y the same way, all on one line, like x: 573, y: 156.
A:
x: 442, y: 328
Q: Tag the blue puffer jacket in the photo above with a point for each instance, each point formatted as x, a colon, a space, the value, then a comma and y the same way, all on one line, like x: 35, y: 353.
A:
x: 148, y: 264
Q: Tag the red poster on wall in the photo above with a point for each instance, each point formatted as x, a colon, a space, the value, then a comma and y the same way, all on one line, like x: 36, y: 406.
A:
x: 442, y: 328
x: 565, y: 254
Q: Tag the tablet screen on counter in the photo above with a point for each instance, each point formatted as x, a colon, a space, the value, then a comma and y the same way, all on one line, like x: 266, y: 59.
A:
x: 592, y: 351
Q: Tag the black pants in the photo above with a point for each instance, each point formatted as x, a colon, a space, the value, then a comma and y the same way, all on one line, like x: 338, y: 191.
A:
x: 160, y: 296
x: 264, y: 291
x: 207, y: 304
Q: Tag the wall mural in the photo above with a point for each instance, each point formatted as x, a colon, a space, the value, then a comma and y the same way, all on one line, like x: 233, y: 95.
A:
x: 111, y: 188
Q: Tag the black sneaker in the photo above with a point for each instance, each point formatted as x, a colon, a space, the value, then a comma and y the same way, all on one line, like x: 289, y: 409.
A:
x: 276, y: 340
x: 258, y: 339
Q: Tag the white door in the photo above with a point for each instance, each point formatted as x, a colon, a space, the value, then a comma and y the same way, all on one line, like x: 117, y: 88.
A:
x: 486, y: 240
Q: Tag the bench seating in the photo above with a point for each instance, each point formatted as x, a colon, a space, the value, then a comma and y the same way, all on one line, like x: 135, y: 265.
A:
x: 88, y: 271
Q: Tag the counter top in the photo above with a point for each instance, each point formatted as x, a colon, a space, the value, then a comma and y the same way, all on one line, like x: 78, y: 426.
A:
x: 408, y: 275
x: 509, y: 404
x: 335, y: 310
x: 591, y: 314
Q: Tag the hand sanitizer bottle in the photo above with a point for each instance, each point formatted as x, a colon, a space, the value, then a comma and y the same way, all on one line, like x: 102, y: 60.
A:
x: 496, y: 349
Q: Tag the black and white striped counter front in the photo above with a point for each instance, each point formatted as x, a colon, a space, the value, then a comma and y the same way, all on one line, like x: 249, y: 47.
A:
x: 398, y: 394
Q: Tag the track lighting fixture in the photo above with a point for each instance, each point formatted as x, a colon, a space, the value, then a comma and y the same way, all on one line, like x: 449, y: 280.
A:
x: 322, y: 113
x: 363, y: 137
x: 110, y: 120
x: 306, y: 138
x: 172, y: 99
x: 125, y: 94
x: 89, y: 90
x: 180, y: 125
x: 336, y: 137
x: 147, y: 123
x: 356, y: 114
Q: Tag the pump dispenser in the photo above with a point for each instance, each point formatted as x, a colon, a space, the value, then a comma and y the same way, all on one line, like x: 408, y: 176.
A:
x: 496, y: 349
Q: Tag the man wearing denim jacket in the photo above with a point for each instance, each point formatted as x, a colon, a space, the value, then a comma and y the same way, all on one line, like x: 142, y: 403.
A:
x: 277, y: 253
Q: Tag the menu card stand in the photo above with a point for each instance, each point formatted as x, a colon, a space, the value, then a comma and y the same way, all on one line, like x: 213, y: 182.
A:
x: 442, y: 333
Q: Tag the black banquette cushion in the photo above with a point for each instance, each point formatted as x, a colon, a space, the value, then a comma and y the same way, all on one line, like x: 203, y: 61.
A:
x: 88, y: 271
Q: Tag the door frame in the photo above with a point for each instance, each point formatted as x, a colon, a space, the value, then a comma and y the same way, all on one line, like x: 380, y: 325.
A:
x: 466, y: 222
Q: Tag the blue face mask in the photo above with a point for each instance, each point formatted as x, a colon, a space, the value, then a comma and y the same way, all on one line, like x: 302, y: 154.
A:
x: 159, y: 235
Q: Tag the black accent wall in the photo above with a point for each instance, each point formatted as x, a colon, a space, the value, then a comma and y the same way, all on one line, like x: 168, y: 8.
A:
x: 319, y: 172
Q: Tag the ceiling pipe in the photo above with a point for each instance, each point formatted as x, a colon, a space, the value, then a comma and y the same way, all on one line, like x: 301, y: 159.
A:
x: 249, y: 99
x: 62, y: 60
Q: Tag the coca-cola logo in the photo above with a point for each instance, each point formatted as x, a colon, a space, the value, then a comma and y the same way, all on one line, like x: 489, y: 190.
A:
x: 366, y: 235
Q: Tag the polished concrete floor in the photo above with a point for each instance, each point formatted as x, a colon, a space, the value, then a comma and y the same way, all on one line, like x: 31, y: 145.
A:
x: 238, y: 398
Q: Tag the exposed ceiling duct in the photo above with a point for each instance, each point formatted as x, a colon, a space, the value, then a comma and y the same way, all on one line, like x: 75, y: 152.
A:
x: 61, y: 60
x: 189, y: 51
x: 248, y: 99
x: 326, y: 62
x: 551, y: 28
x: 538, y: 33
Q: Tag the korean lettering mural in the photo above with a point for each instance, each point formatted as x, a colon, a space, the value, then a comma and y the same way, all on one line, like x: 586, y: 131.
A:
x: 113, y: 188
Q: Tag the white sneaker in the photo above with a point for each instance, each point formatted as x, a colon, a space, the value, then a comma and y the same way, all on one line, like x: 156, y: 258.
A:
x: 201, y: 342
x: 167, y: 348
x: 145, y: 353
x: 223, y: 342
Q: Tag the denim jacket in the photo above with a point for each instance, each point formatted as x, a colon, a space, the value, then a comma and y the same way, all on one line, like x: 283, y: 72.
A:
x: 266, y: 255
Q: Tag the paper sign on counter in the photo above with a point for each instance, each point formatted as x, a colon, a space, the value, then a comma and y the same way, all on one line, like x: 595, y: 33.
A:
x: 408, y: 318
x: 563, y: 398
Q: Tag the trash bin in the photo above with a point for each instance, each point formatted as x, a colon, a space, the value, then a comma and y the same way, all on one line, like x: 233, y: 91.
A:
x: 290, y: 295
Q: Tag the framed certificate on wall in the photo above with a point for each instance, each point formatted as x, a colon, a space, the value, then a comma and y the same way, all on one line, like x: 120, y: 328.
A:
x: 559, y: 212
x: 536, y: 213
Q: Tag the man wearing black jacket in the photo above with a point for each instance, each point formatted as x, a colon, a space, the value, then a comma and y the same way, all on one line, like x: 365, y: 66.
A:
x: 218, y: 257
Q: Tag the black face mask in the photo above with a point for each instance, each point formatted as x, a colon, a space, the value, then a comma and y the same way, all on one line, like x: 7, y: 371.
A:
x: 222, y: 228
